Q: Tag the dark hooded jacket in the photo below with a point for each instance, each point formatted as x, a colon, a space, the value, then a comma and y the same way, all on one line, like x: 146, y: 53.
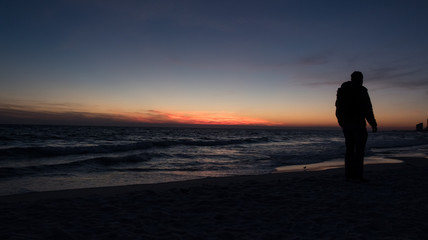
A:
x: 353, y: 106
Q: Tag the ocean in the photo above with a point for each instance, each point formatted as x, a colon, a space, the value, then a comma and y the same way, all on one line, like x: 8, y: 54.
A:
x: 42, y: 158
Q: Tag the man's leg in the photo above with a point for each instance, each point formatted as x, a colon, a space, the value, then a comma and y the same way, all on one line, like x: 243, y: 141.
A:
x: 350, y: 153
x: 360, y: 145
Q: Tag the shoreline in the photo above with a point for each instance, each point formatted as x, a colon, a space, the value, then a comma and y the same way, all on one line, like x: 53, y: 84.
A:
x: 282, y: 172
x: 333, y: 164
x: 305, y: 204
x: 285, y: 171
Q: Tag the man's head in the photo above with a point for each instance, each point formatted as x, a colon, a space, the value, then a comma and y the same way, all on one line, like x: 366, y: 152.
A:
x: 357, y: 77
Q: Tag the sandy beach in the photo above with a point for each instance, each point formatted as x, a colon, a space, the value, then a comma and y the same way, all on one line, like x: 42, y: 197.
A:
x: 287, y: 205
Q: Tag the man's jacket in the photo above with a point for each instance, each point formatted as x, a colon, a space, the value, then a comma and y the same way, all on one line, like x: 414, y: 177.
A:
x: 353, y: 106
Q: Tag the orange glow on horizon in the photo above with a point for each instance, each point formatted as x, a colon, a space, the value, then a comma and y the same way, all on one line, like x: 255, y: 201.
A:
x: 199, y: 118
x: 81, y: 115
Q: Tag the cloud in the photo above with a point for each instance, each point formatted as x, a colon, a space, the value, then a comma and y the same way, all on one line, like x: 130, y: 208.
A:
x: 20, y: 114
x: 200, y: 118
x: 393, y: 72
x: 399, y: 76
x: 314, y: 59
x: 385, y: 77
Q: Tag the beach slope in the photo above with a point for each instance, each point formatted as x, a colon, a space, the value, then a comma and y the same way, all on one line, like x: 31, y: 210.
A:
x: 292, y: 205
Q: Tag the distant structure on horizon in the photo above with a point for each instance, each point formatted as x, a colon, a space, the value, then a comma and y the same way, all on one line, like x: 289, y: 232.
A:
x: 420, y: 126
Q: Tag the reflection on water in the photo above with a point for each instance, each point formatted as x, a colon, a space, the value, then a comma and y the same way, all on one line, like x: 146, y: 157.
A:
x: 333, y: 164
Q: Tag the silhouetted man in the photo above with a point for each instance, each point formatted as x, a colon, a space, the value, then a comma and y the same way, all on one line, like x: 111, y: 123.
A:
x: 353, y: 108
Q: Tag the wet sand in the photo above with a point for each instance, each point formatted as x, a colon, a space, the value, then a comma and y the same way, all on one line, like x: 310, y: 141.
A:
x: 285, y: 205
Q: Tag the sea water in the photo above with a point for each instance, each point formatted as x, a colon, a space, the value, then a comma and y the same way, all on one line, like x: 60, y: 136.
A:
x: 41, y: 158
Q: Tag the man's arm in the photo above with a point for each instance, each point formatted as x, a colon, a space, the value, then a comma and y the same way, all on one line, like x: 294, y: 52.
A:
x: 339, y: 108
x: 368, y: 111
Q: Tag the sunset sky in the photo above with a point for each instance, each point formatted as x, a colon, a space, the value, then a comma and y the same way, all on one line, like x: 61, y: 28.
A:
x: 273, y: 63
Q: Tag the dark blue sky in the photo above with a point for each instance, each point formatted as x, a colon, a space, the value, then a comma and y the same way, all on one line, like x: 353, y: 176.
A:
x: 270, y: 62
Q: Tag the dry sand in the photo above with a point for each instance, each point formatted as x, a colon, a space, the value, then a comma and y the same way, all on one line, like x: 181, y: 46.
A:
x: 292, y: 205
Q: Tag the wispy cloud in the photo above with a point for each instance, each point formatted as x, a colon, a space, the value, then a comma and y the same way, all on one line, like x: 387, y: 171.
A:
x: 209, y: 118
x: 399, y: 77
x: 28, y: 116
x: 393, y: 72
x: 385, y: 77
x: 314, y: 59
x: 20, y: 114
